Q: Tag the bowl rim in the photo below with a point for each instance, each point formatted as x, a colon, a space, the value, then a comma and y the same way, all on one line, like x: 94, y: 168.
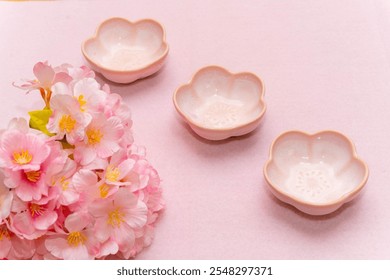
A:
x: 95, y: 36
x: 234, y: 74
x: 345, y: 197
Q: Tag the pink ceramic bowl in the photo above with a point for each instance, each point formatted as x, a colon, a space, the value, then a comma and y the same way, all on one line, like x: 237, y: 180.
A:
x: 218, y: 104
x: 125, y: 51
x: 316, y: 173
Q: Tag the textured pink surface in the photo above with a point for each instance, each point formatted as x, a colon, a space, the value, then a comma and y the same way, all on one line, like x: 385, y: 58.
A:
x: 325, y: 65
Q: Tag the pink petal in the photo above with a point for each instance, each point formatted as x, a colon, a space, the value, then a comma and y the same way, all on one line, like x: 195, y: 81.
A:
x: 38, y: 148
x: 68, y: 197
x: 125, y: 167
x: 56, y: 246
x: 5, y: 247
x: 108, y: 248
x: 87, y: 155
x: 101, y: 207
x: 113, y: 128
x: 102, y: 229
x: 62, y: 77
x: 107, y: 149
x: 76, y: 253
x: 28, y: 191
x: 6, y: 198
x: 125, y: 198
x: 136, y: 217
x: 60, y: 88
x: 77, y: 221
x: 45, y: 220
x: 124, y: 113
x: 21, y: 222
x: 83, y: 180
x: 118, y: 157
x: 22, y: 248
x: 124, y: 237
x: 19, y: 124
x: 44, y: 74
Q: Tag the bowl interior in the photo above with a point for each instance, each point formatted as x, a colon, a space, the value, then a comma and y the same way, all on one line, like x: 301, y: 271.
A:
x: 216, y: 99
x: 122, y: 45
x: 317, y: 169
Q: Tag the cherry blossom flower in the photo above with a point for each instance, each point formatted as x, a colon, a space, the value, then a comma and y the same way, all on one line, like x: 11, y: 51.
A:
x: 142, y: 174
x: 62, y: 182
x: 77, y: 243
x: 67, y: 120
x: 34, y: 218
x: 84, y: 192
x: 46, y: 76
x: 85, y: 182
x: 102, y: 136
x: 32, y: 184
x: 22, y: 151
x: 115, y: 107
x: 117, y: 218
x: 118, y: 168
x: 12, y: 247
x: 89, y: 95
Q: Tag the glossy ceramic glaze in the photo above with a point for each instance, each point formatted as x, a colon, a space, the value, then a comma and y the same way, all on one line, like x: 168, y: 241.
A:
x: 218, y: 104
x: 124, y: 51
x: 316, y: 173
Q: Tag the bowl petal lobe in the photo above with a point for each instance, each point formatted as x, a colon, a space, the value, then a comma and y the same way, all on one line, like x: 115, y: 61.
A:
x: 316, y: 173
x: 211, y: 82
x: 125, y: 51
x: 332, y: 149
x: 115, y: 34
x: 148, y: 37
x: 218, y: 104
x: 290, y: 149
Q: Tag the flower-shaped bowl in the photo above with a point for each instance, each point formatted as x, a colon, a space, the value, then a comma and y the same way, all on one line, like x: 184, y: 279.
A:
x: 316, y: 173
x: 218, y: 104
x: 125, y: 51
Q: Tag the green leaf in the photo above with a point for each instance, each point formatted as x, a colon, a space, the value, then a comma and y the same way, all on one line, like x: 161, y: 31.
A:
x: 39, y: 120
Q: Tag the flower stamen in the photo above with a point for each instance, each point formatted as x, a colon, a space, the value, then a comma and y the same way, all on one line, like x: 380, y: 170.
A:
x: 22, y: 157
x: 112, y: 173
x: 4, y: 233
x: 104, y: 190
x: 94, y: 136
x: 33, y: 176
x: 36, y: 210
x: 115, y: 218
x: 67, y: 123
x: 76, y: 238
x: 82, y: 102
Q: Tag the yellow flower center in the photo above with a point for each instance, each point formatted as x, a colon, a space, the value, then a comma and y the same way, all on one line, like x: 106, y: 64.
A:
x: 115, y: 218
x: 76, y: 238
x: 104, y: 190
x: 22, y: 157
x: 82, y: 102
x: 36, y: 210
x: 4, y: 233
x: 67, y: 123
x: 112, y: 173
x: 94, y: 136
x: 33, y: 176
x: 65, y: 185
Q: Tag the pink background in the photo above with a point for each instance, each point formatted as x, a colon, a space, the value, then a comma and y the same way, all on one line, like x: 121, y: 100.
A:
x: 325, y: 64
